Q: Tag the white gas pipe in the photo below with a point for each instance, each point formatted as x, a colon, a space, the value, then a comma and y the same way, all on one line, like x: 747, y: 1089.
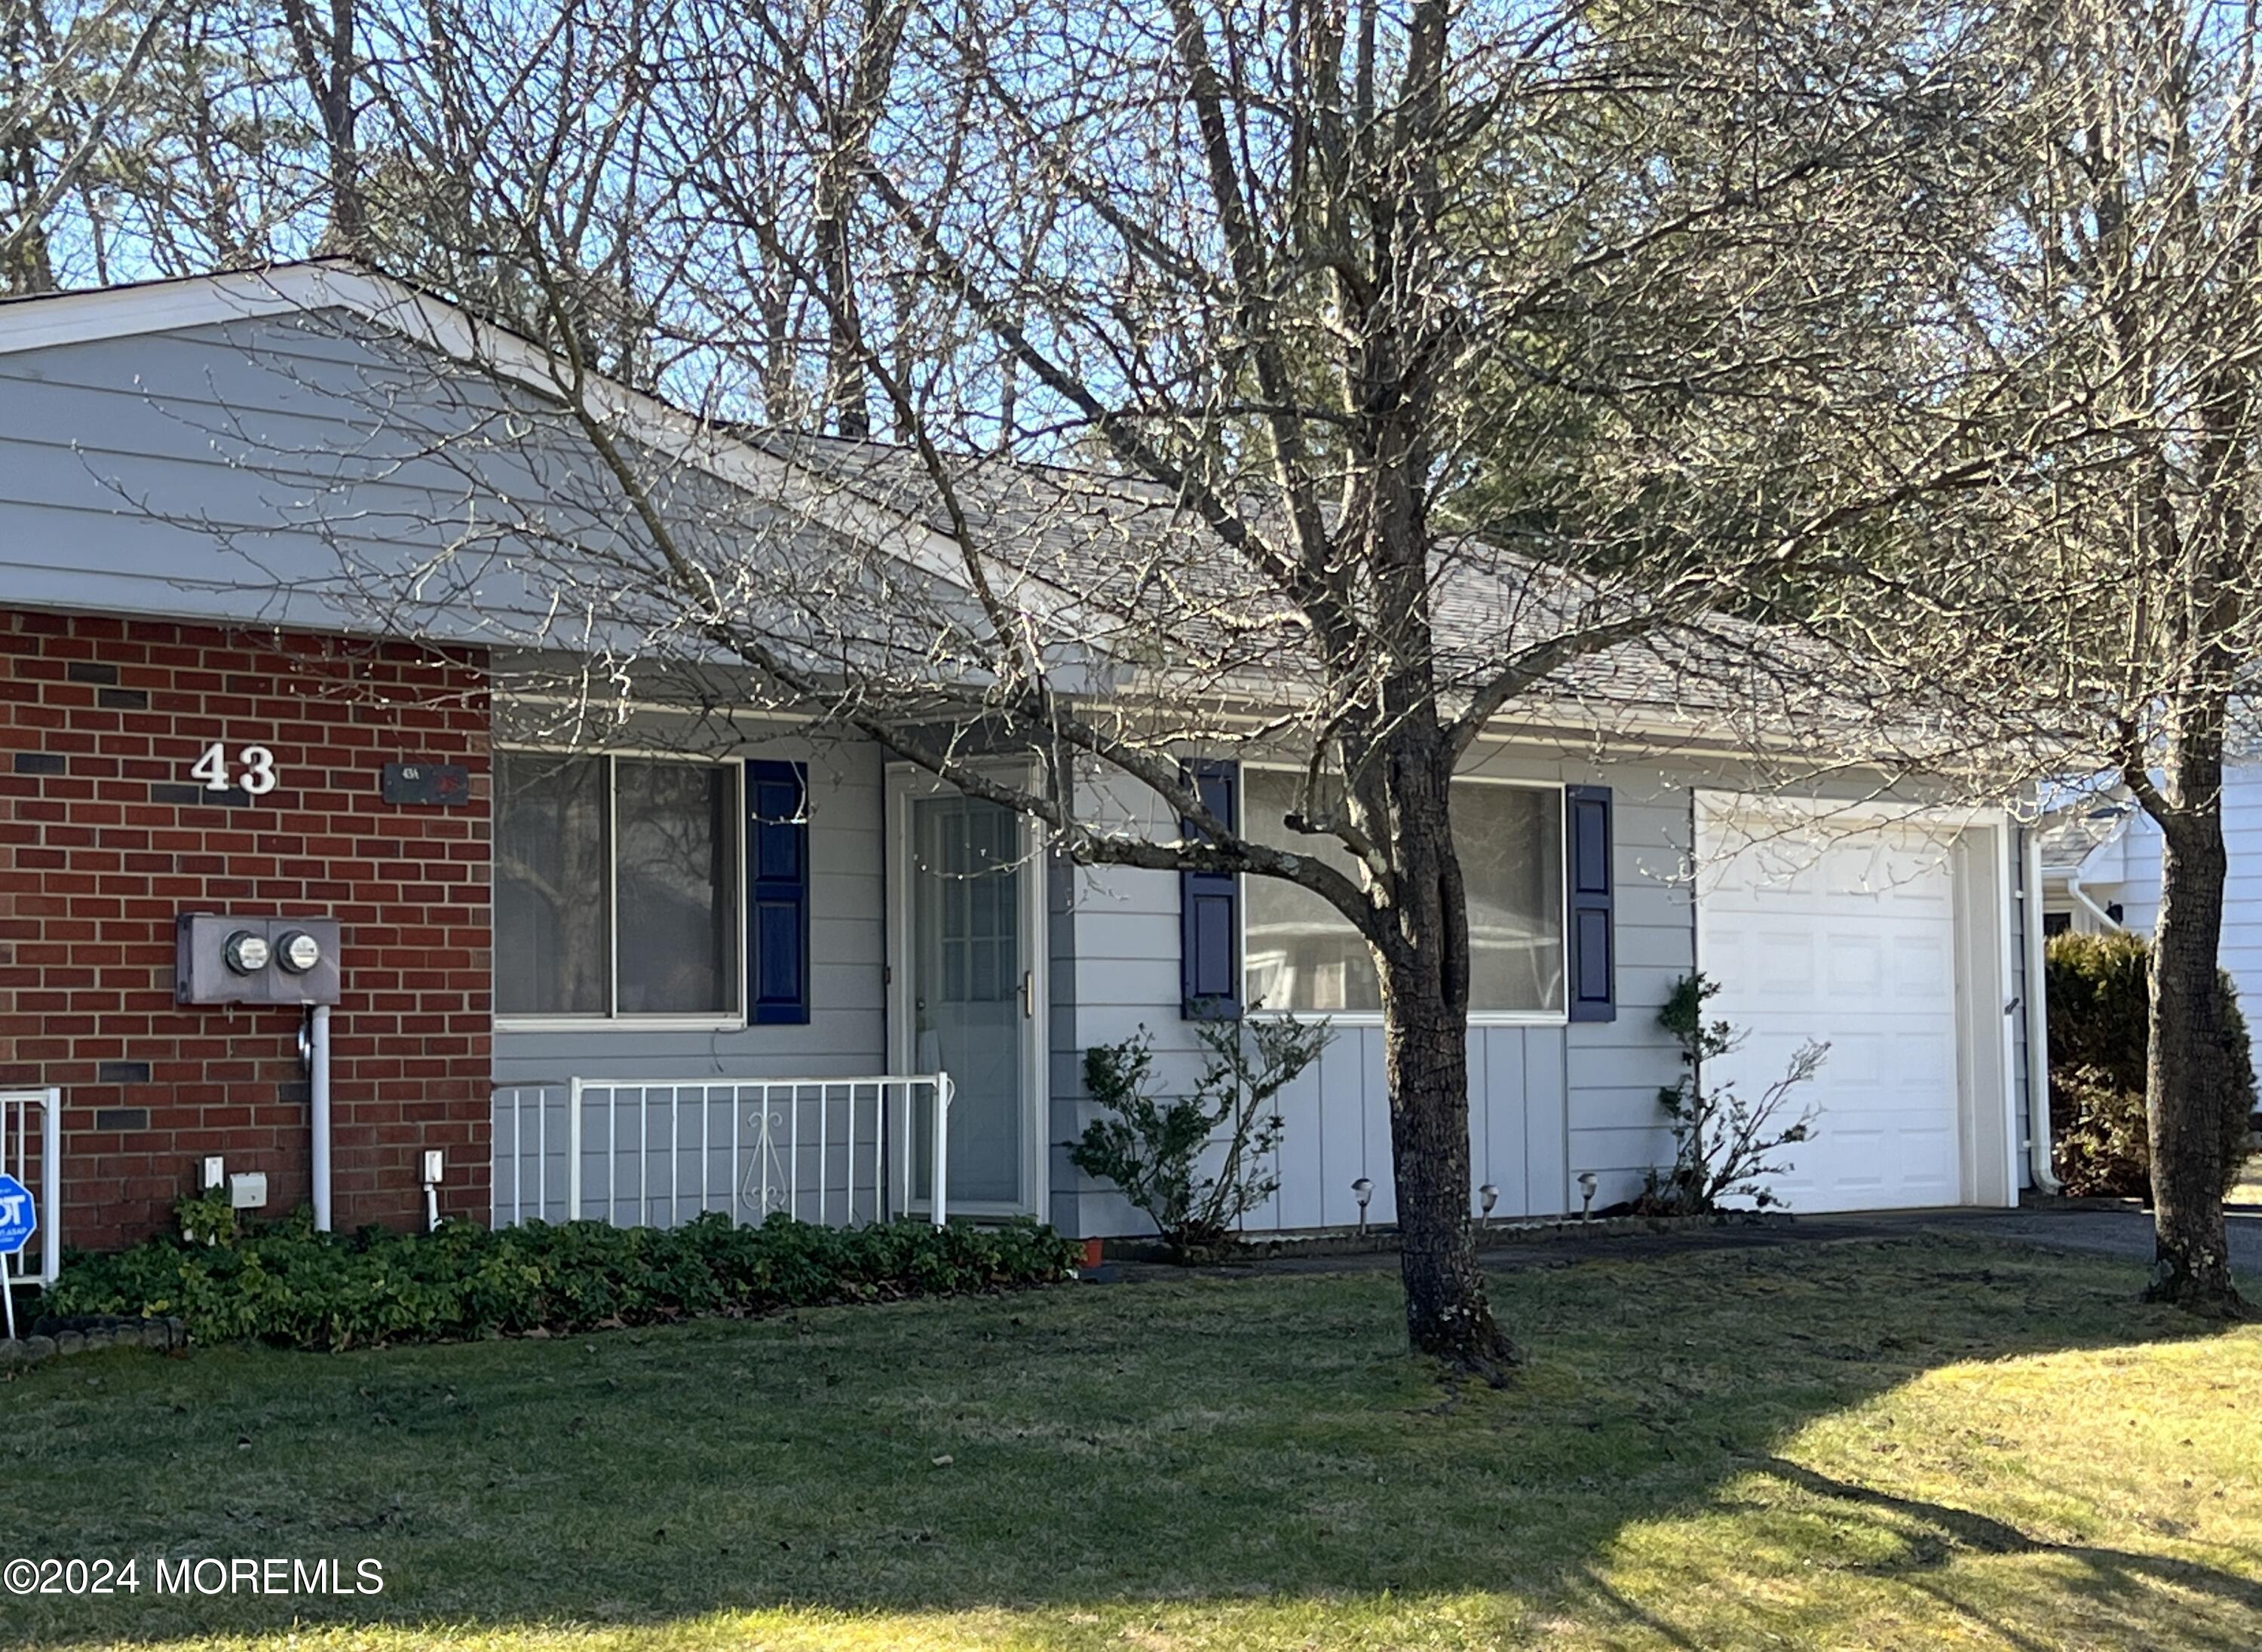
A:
x: 317, y: 1075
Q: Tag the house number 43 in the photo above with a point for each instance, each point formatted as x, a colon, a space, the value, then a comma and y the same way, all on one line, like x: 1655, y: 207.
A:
x: 258, y: 776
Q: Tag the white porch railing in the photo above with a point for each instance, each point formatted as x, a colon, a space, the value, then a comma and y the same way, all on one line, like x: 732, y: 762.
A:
x: 36, y: 1160
x: 655, y: 1152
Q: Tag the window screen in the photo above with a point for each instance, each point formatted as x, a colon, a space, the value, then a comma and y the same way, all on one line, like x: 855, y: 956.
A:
x: 1304, y: 956
x: 553, y: 946
x: 676, y: 866
x: 585, y: 844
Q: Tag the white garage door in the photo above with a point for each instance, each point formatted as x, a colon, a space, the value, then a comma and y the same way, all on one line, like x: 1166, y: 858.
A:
x: 1844, y: 933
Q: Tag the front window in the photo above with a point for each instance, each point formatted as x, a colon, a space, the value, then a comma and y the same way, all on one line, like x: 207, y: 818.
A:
x: 1304, y: 956
x: 616, y: 886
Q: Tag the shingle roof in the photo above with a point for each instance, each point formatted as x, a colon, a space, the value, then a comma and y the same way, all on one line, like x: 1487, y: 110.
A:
x: 2068, y: 836
x: 1140, y: 580
x: 1140, y: 570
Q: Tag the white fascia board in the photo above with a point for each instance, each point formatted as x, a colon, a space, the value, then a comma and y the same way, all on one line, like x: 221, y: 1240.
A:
x: 1628, y: 731
x: 1795, y: 808
x: 448, y: 328
x: 151, y: 306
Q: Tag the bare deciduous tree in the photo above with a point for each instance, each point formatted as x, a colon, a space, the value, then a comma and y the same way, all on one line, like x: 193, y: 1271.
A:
x: 1340, y: 384
x: 74, y: 74
x: 1432, y: 370
x: 2108, y: 593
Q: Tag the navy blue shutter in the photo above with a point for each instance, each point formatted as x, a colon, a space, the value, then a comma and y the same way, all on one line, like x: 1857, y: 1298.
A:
x: 777, y: 894
x: 1594, y: 971
x: 1209, y: 907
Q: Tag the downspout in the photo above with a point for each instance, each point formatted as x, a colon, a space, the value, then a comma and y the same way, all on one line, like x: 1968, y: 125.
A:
x: 2038, y: 1115
x: 318, y: 1088
x: 2113, y: 926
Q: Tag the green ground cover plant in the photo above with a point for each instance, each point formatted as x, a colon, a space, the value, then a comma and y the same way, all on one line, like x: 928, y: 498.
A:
x: 289, y: 1284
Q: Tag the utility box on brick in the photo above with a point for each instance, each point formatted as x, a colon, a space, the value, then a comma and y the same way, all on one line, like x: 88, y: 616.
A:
x: 220, y: 959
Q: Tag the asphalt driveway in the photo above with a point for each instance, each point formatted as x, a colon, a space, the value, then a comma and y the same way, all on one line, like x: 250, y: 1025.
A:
x: 2123, y: 1231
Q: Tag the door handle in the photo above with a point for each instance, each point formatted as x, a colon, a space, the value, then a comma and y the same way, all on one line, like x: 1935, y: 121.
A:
x: 1028, y: 995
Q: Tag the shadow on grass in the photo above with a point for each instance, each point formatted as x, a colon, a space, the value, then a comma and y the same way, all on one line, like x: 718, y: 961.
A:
x: 1202, y: 1445
x: 1941, y: 1531
x: 1929, y: 1537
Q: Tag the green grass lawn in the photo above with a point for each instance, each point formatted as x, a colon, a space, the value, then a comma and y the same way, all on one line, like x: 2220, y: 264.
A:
x: 1922, y: 1444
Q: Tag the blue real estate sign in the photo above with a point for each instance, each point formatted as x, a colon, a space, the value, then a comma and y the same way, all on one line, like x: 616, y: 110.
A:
x: 18, y: 1222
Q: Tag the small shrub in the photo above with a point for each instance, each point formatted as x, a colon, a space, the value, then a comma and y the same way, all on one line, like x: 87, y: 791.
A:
x: 1722, y: 1144
x: 286, y: 1283
x: 1152, y: 1148
x: 208, y: 1217
x: 2099, y: 996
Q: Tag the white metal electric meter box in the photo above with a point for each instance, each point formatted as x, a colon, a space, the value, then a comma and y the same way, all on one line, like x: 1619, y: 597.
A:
x: 225, y: 960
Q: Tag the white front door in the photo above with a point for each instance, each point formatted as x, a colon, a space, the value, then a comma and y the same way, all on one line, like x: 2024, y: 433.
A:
x: 1841, y: 932
x: 967, y: 916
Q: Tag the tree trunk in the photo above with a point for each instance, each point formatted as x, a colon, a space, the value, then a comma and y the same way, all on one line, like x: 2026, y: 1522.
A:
x: 329, y: 65
x: 1424, y: 970
x: 2185, y: 1070
x: 1426, y: 1064
x: 846, y: 395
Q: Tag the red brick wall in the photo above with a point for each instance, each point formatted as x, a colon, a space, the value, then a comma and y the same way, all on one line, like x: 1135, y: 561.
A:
x: 104, y: 838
